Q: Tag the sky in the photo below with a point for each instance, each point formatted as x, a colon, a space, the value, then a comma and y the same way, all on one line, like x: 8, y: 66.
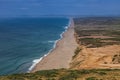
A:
x: 36, y: 8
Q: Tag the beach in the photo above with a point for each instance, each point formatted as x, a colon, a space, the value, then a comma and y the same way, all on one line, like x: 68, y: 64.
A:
x: 61, y: 55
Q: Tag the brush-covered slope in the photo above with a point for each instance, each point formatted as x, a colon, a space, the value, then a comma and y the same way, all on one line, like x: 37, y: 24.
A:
x: 64, y: 74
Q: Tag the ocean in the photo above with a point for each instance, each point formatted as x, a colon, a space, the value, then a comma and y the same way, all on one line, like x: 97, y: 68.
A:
x: 25, y: 41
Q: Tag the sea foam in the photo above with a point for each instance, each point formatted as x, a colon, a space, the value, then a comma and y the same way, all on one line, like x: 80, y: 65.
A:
x: 51, y: 41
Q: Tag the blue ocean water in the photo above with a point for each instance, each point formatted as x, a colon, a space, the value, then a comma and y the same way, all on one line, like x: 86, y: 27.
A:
x: 22, y: 40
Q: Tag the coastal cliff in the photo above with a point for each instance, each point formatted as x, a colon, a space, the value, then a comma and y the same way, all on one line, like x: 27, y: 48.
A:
x: 99, y: 41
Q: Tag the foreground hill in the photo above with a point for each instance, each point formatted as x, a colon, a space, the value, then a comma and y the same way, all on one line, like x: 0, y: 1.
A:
x: 64, y: 74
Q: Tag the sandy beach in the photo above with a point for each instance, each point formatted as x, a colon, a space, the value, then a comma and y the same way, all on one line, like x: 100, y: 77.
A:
x: 62, y: 54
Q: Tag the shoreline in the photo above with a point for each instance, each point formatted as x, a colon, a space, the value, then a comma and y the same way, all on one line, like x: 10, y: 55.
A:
x: 54, y: 55
x: 36, y: 61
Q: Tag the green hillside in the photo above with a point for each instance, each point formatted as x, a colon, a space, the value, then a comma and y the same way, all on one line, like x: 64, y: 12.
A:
x: 64, y: 74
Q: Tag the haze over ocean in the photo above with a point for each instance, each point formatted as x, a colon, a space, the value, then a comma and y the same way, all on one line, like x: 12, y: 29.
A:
x: 23, y: 40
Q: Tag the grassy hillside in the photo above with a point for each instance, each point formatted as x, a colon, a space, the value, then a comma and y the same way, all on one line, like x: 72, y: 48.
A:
x: 64, y: 74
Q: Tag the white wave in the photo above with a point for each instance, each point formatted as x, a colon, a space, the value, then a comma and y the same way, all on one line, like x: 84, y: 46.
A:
x: 36, y: 61
x: 66, y: 27
x: 52, y: 41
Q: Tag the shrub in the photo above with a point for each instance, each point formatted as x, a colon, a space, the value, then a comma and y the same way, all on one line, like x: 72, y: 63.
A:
x: 91, y: 78
x: 102, y: 73
x: 84, y: 71
x: 77, y: 50
x: 48, y: 73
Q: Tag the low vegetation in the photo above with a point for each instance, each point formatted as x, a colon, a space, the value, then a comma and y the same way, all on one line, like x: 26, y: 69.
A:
x: 116, y: 59
x: 64, y: 74
x: 76, y: 52
x: 97, y: 32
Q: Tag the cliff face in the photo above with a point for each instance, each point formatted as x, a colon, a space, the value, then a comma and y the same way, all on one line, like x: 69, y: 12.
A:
x: 99, y: 41
x: 95, y: 58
